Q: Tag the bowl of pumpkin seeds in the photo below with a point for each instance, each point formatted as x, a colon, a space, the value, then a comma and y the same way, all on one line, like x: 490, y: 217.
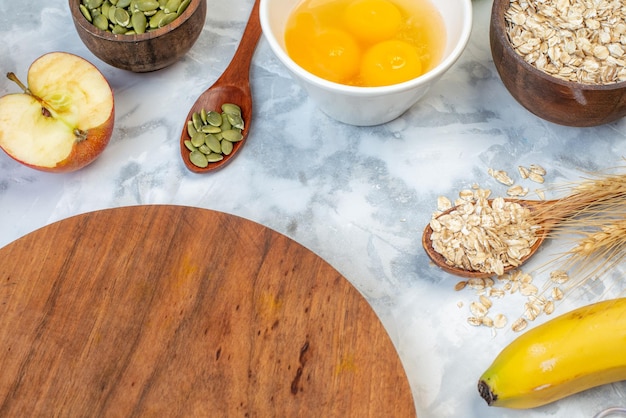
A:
x: 139, y: 35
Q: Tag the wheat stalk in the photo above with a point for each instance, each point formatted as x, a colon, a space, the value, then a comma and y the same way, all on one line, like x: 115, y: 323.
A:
x: 594, y: 211
x: 591, y: 198
x: 598, y: 250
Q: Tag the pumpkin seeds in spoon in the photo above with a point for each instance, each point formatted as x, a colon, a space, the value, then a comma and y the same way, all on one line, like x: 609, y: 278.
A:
x: 212, y: 134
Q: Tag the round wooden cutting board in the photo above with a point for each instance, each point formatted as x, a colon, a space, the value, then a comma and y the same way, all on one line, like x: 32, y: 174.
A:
x: 171, y: 311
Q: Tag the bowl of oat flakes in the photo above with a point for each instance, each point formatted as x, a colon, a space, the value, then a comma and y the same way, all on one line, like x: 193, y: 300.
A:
x: 563, y: 60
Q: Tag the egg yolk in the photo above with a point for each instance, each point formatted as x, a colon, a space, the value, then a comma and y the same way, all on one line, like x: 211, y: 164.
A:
x: 332, y: 54
x: 372, y: 20
x: 390, y: 62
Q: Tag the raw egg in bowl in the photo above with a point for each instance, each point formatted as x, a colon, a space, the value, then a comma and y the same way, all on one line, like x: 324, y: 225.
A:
x: 366, y: 62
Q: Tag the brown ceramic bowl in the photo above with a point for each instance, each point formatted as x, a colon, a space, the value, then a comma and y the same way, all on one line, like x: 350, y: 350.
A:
x: 562, y: 102
x: 144, y: 52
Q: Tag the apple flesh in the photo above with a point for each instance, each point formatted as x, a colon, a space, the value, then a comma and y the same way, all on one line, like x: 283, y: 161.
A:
x: 64, y: 118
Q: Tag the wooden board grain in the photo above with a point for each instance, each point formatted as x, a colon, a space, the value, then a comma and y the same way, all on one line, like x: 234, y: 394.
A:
x: 172, y: 311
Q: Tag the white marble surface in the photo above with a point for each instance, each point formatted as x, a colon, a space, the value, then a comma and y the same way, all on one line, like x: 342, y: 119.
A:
x: 358, y: 197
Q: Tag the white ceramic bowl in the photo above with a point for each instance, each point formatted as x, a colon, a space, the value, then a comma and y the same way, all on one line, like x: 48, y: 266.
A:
x: 366, y: 106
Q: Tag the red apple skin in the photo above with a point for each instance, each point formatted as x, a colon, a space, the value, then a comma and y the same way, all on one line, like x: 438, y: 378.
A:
x: 85, y: 151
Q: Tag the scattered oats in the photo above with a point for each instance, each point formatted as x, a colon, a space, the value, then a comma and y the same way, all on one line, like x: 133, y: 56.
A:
x: 488, y: 281
x: 478, y: 309
x: 559, y: 276
x: 517, y: 191
x: 537, y: 178
x: 460, y: 304
x: 460, y: 285
x: 515, y: 275
x: 537, y: 300
x: 496, y: 293
x: 519, y: 325
x: 488, y: 322
x: 501, y: 176
x: 476, y: 283
x: 525, y: 277
x: 499, y: 321
x: 484, y: 300
x: 523, y: 172
x: 531, y: 311
x: 527, y: 289
x: 474, y: 321
x: 557, y: 294
x: 515, y: 287
x: 548, y: 308
x: 537, y: 169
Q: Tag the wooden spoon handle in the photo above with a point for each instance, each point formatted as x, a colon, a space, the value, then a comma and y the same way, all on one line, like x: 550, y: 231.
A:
x: 238, y: 71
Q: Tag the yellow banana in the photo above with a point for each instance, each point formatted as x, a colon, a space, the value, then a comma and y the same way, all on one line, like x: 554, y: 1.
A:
x: 578, y: 350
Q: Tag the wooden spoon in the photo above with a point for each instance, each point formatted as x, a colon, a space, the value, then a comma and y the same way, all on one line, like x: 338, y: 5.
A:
x: 233, y: 86
x: 573, y: 203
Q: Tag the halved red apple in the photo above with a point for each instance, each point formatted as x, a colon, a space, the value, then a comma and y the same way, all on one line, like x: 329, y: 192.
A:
x: 64, y: 118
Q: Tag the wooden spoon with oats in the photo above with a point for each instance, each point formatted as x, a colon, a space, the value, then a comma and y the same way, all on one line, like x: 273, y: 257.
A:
x: 457, y: 240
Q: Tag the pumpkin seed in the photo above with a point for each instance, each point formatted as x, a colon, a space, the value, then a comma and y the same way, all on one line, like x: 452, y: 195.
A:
x: 226, y: 125
x: 198, y: 139
x: 169, y: 18
x: 213, y: 143
x: 155, y: 21
x: 197, y: 121
x: 123, y: 3
x: 227, y: 147
x: 189, y: 145
x: 93, y: 4
x: 182, y: 7
x: 232, y: 135
x: 172, y: 6
x: 139, y: 22
x: 111, y: 13
x: 146, y: 5
x: 212, y: 134
x: 101, y: 22
x: 85, y: 11
x: 104, y: 10
x: 191, y: 130
x: 213, y: 118
x: 210, y: 129
x: 118, y: 30
x: 122, y: 17
x: 198, y: 159
x: 214, y: 157
x: 205, y: 149
x: 231, y: 109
